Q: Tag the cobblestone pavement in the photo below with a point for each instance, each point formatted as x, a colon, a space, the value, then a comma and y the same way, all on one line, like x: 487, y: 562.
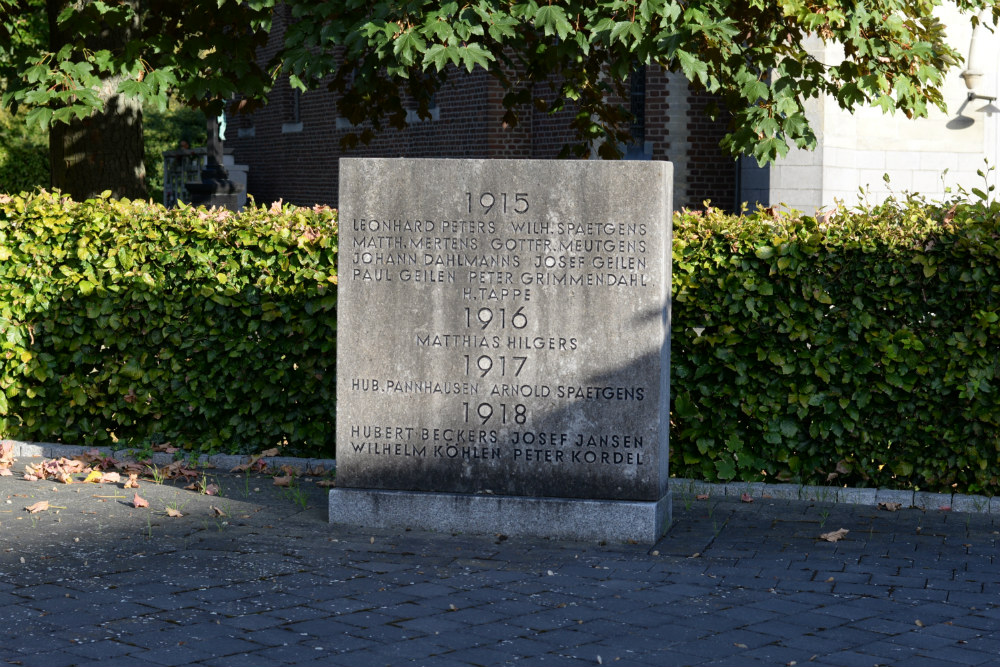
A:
x: 256, y: 576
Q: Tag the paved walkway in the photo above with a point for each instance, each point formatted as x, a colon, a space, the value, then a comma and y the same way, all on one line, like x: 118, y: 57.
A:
x: 256, y: 576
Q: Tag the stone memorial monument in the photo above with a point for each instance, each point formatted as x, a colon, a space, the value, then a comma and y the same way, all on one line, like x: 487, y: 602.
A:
x: 215, y: 187
x: 503, y: 347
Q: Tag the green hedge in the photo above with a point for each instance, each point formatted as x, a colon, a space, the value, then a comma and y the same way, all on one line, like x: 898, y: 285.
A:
x: 124, y: 323
x: 862, y: 350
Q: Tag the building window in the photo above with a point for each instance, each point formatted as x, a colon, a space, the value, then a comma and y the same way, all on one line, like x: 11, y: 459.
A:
x: 294, y: 123
x: 637, y: 105
x: 638, y: 148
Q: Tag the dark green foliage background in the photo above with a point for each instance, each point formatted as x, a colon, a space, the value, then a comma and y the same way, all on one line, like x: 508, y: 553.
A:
x: 125, y: 323
x: 862, y: 351
x: 24, y: 154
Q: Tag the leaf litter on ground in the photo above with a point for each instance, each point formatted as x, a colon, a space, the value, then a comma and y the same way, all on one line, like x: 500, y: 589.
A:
x: 40, y: 506
x: 835, y: 535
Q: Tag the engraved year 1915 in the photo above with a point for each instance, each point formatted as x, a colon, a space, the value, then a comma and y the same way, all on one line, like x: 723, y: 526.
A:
x: 516, y: 202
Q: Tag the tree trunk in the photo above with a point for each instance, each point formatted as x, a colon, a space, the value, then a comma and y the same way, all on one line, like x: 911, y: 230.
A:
x: 101, y: 152
x: 105, y: 150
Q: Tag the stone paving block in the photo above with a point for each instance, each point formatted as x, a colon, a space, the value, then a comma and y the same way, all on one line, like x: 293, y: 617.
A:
x: 384, y: 634
x: 931, y: 501
x: 904, y: 498
x: 776, y: 654
x: 227, y: 462
x: 782, y: 491
x: 852, y: 658
x: 885, y: 626
x: 737, y: 489
x: 481, y: 655
x: 100, y: 650
x: 933, y: 661
x: 856, y: 496
x: 170, y: 655
x: 822, y: 494
x: 705, y: 488
x: 918, y: 639
x: 243, y: 660
x: 48, y: 659
x: 961, y: 655
x: 965, y: 503
x: 681, y: 486
x: 30, y: 450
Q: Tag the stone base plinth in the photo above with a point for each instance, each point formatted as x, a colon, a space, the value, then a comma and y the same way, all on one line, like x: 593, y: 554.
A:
x: 561, y: 518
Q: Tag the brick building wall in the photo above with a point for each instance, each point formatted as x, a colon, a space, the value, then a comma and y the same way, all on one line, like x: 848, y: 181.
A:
x: 293, y: 143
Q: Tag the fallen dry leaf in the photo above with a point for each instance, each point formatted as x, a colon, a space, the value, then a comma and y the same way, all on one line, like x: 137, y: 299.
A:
x: 40, y: 506
x: 132, y: 482
x: 701, y: 496
x: 327, y: 483
x: 212, y: 490
x: 167, y: 449
x: 94, y: 459
x: 919, y: 623
x: 6, y: 454
x: 171, y: 512
x: 890, y: 507
x: 94, y: 476
x: 270, y: 452
x: 179, y: 469
x: 216, y: 511
x: 944, y: 508
x: 5, y: 472
x: 745, y: 497
x: 286, y: 480
x: 54, y: 468
x: 110, y: 478
x: 739, y: 645
x: 834, y: 536
x: 138, y: 502
x: 255, y: 464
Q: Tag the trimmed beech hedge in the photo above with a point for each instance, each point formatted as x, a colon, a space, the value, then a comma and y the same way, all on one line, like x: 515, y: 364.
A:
x: 863, y: 349
x: 129, y: 324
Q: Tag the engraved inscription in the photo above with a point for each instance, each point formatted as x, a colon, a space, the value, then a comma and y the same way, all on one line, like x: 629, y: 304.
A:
x: 517, y: 336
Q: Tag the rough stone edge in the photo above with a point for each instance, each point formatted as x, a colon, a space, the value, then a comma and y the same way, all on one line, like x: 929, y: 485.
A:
x: 220, y: 461
x: 852, y: 496
x: 618, y: 521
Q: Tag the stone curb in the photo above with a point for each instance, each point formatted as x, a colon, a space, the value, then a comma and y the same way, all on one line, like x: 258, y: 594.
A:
x: 221, y: 461
x: 954, y: 502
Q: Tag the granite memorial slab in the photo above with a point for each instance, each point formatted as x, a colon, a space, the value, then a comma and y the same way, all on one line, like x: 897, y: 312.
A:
x: 503, y: 343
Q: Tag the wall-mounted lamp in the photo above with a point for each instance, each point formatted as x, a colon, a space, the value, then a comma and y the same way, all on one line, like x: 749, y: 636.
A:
x: 989, y: 109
